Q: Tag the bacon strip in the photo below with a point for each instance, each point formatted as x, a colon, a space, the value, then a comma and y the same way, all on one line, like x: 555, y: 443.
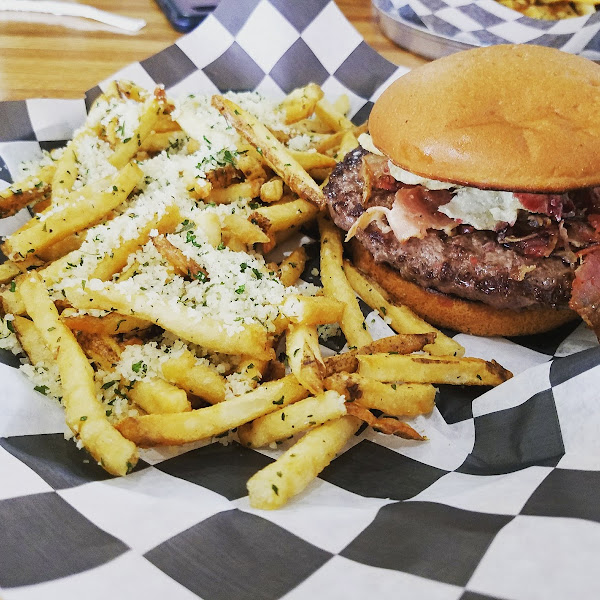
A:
x: 585, y: 295
x: 415, y: 210
x: 553, y: 205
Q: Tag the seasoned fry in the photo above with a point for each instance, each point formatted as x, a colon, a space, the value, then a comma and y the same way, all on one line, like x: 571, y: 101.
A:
x: 403, y: 343
x: 61, y: 248
x: 35, y: 188
x: 111, y: 324
x: 272, y: 190
x: 304, y: 356
x: 9, y: 270
x: 195, y: 378
x: 312, y: 310
x: 297, y: 417
x: 211, y: 227
x: 65, y: 174
x: 274, y: 485
x: 292, y: 267
x: 156, y: 396
x: 336, y: 285
x: 252, y: 371
x: 300, y: 103
x: 202, y: 423
x: 31, y: 341
x: 114, y: 261
x: 342, y: 104
x: 432, y: 369
x: 271, y: 149
x: 348, y: 143
x: 86, y: 207
x: 287, y: 214
x: 313, y: 160
x: 11, y: 300
x: 103, y: 350
x: 250, y: 162
x: 397, y: 399
x: 383, y: 424
x: 207, y: 332
x: 244, y: 230
x: 84, y: 414
x: 334, y: 119
x: 127, y: 148
x: 402, y: 319
x: 229, y: 194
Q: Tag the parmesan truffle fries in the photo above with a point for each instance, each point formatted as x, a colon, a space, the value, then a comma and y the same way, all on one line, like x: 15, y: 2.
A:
x: 141, y: 298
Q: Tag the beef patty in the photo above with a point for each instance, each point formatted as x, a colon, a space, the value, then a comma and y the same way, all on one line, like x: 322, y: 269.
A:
x: 469, y: 264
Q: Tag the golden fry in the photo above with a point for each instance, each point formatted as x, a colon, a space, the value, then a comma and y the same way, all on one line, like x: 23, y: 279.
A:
x: 402, y: 319
x: 300, y: 416
x: 432, y: 369
x: 84, y: 414
x: 202, y: 423
x: 86, y: 207
x: 185, y: 323
x: 274, y: 485
x: 197, y: 379
x: 384, y: 424
x: 336, y: 285
x: 292, y: 267
x: 271, y: 149
x: 304, y: 356
x: 156, y: 396
x: 397, y: 399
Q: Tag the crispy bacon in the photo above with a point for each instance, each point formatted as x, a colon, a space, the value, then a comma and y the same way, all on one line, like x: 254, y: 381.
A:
x: 415, y: 210
x: 585, y: 294
x: 556, y: 206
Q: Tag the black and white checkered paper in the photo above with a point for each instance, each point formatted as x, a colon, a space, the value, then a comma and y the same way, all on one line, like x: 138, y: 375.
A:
x: 500, y: 502
x: 486, y: 22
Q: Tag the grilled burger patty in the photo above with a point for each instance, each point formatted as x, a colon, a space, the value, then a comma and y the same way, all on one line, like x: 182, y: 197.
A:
x: 469, y: 264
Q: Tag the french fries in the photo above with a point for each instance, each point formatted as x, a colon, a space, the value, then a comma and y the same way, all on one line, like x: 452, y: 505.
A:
x: 207, y: 332
x: 202, y: 423
x: 274, y: 485
x: 85, y: 208
x: 142, y: 280
x: 156, y: 396
x: 84, y: 415
x: 194, y: 378
x: 286, y: 422
x: 432, y: 369
x: 397, y: 399
x: 304, y: 356
x: 271, y: 149
x: 336, y: 285
x: 402, y: 319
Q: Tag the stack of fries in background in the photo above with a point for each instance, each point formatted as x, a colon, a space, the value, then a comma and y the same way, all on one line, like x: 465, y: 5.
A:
x: 143, y: 299
x: 552, y: 10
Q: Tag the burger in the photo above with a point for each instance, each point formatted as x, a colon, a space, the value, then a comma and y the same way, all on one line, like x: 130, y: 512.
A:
x: 475, y: 197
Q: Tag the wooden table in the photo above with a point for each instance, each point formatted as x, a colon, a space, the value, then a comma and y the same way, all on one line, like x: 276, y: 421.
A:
x: 42, y: 60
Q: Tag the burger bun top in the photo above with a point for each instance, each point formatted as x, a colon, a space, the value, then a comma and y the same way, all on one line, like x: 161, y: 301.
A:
x: 505, y: 117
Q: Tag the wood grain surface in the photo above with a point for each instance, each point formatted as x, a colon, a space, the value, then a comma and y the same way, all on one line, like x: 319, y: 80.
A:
x: 58, y: 57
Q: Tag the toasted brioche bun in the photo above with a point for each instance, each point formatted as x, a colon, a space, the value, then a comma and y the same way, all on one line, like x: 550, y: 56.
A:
x: 506, y: 117
x: 455, y: 313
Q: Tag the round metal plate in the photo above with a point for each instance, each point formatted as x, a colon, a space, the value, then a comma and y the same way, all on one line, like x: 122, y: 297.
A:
x: 412, y: 37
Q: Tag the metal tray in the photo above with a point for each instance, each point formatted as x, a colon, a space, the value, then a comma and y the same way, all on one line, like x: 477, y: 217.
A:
x: 412, y: 37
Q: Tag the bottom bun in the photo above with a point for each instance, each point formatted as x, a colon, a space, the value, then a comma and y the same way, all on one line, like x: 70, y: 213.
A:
x: 455, y: 313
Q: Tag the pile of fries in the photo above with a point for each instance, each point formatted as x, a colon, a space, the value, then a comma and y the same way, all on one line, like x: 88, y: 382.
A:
x: 552, y: 10
x: 142, y: 288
